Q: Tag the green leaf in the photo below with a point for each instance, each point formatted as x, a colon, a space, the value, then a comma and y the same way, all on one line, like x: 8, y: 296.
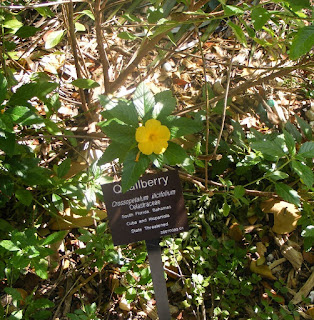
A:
x: 287, y: 193
x: 278, y: 175
x: 226, y: 209
x: 132, y: 170
x: 144, y: 101
x: 25, y: 196
x: 3, y: 87
x: 291, y: 128
x: 299, y: 4
x: 238, y: 33
x: 64, y: 167
x: 239, y: 192
x: 26, y: 32
x: 302, y: 42
x: 85, y: 83
x: 40, y: 267
x: 30, y: 90
x: 52, y: 127
x: 307, y: 149
x: 5, y: 226
x: 174, y: 154
x: 54, y: 237
x: 232, y: 10
x: 79, y: 27
x: 183, y: 126
x: 290, y: 143
x: 54, y: 38
x: 305, y: 127
x: 304, y: 172
x: 269, y: 148
x: 126, y: 36
x: 12, y: 23
x: 259, y: 17
x: 88, y: 13
x: 165, y: 105
x: 45, y: 12
x: 9, y: 245
x: 308, y: 231
x: 114, y: 151
x: 123, y: 111
x: 120, y: 133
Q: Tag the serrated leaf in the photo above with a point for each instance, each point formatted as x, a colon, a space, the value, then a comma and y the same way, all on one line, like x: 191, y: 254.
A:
x: 184, y: 126
x: 54, y: 38
x: 291, y: 128
x: 287, y: 193
x: 165, y: 105
x: 174, y: 154
x: 238, y: 33
x: 120, y: 133
x: 113, y: 151
x: 64, y: 167
x: 144, y: 101
x: 259, y: 17
x: 123, y: 111
x: 85, y: 83
x: 304, y: 172
x: 25, y: 196
x: 269, y: 148
x: 290, y: 143
x: 132, y: 169
x: 302, y: 42
x: 305, y: 127
x: 307, y: 149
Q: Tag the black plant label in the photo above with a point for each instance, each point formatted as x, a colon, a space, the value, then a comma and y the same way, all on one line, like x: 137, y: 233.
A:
x: 152, y: 208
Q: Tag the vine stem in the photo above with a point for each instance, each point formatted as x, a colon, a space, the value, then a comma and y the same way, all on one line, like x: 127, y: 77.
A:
x: 225, y: 105
x: 266, y: 175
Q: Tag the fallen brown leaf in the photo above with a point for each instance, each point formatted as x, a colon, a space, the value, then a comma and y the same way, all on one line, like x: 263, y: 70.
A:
x: 262, y: 270
x: 286, y: 215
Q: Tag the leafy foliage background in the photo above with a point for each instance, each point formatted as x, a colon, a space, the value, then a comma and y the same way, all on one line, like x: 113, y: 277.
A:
x: 76, y: 80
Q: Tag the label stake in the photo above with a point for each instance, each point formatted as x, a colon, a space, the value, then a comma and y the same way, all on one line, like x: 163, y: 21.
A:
x: 159, y: 282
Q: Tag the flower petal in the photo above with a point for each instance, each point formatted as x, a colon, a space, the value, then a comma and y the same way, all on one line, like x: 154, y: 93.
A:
x: 152, y: 124
x: 146, y: 147
x: 163, y: 133
x: 160, y: 146
x: 141, y: 134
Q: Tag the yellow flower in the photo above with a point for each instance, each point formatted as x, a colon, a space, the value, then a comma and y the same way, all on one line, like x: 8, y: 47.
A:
x: 152, y: 137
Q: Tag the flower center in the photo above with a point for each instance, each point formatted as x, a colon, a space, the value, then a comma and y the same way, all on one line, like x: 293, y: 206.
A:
x: 153, y: 137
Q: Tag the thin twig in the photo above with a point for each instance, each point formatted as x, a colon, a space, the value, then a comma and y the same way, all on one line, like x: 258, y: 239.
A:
x: 101, y: 50
x: 40, y: 5
x: 207, y: 104
x: 225, y: 105
x: 75, y: 55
